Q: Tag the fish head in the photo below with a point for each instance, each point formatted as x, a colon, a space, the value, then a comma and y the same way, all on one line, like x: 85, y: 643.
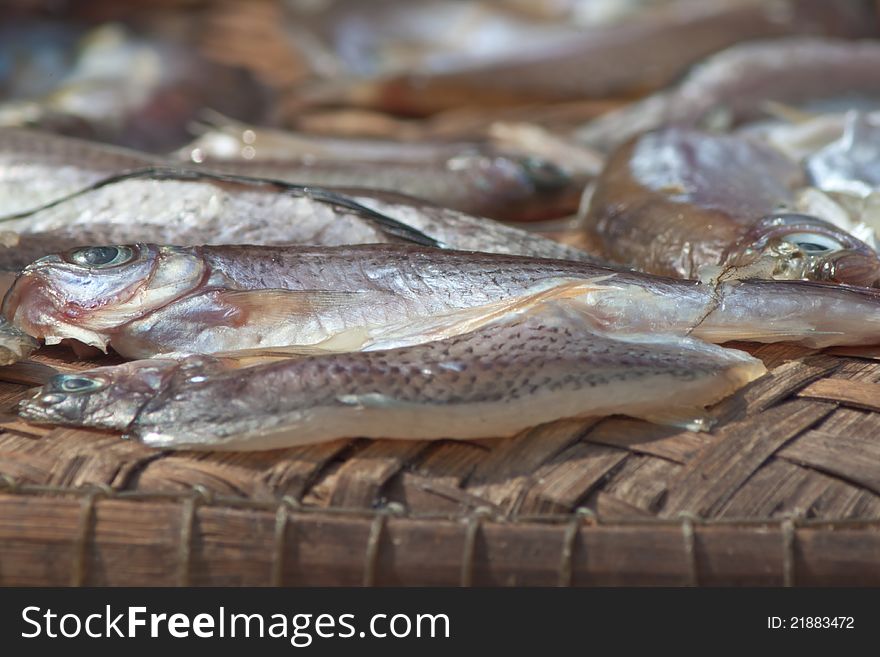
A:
x: 110, y: 397
x: 87, y: 292
x: 103, y: 398
x: 792, y: 246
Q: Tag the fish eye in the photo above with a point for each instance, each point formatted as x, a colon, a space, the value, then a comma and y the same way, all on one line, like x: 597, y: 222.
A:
x: 76, y: 383
x: 813, y: 243
x: 102, y: 256
x: 544, y: 174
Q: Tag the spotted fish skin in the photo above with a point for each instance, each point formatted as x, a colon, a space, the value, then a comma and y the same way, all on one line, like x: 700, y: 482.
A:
x: 491, y: 382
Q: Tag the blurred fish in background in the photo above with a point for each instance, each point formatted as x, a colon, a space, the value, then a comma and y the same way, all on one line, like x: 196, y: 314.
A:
x: 136, y: 84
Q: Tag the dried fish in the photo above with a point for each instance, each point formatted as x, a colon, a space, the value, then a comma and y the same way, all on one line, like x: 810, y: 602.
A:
x: 491, y: 382
x: 687, y: 203
x: 222, y: 139
x: 474, y: 178
x: 494, y: 185
x: 58, y: 192
x: 145, y: 300
x: 743, y: 82
x: 645, y: 52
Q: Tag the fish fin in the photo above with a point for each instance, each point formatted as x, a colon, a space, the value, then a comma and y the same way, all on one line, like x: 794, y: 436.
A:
x: 352, y: 339
x: 466, y: 320
x: 280, y: 304
x: 694, y: 417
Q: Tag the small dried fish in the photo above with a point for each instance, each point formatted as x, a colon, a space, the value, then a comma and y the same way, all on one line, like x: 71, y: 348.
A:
x: 145, y: 300
x: 57, y: 193
x: 222, y: 139
x: 492, y: 382
x: 478, y: 179
x: 495, y: 185
x: 642, y: 53
x: 743, y: 82
x: 686, y: 203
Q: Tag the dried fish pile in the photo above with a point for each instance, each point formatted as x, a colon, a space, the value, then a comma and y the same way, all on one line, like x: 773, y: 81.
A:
x: 325, y: 257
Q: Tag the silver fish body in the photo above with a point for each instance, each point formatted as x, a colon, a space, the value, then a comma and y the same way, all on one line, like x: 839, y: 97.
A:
x: 495, y: 181
x: 223, y: 140
x: 146, y: 300
x: 491, y: 382
x: 643, y: 53
x: 37, y: 168
x: 500, y: 186
x: 53, y: 196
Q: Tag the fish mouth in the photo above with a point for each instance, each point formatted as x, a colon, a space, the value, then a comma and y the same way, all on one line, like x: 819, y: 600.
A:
x: 58, y: 410
x: 35, y: 308
x: 28, y: 286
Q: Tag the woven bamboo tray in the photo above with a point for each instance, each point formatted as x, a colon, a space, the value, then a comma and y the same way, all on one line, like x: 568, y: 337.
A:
x: 784, y: 491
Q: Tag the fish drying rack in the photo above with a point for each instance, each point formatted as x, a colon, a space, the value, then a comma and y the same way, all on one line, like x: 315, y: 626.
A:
x: 784, y: 491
